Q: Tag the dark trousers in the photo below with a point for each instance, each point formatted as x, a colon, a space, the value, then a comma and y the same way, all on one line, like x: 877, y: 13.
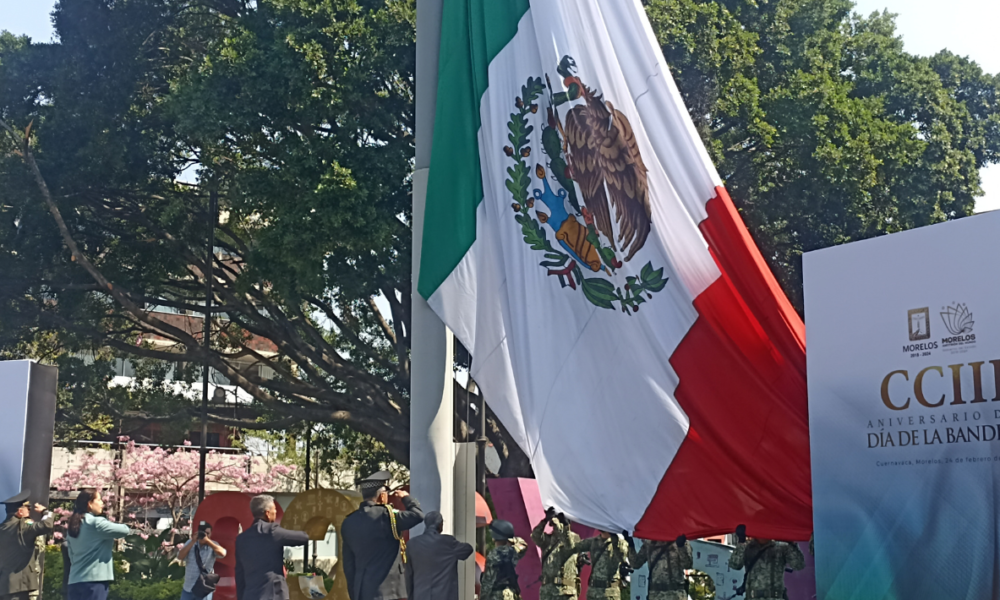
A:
x: 88, y: 590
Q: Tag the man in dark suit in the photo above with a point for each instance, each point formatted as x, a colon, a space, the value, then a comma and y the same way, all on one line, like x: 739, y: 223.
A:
x: 260, y: 554
x: 373, y: 552
x: 432, y: 565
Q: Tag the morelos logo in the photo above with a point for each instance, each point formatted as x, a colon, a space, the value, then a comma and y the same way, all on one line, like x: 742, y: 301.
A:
x: 919, y: 324
x: 591, y: 149
x: 958, y: 321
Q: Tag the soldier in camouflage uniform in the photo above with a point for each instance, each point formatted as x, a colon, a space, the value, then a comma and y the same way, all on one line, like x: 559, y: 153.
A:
x: 765, y: 562
x: 560, y: 577
x: 667, y: 562
x: 608, y: 553
x: 499, y: 580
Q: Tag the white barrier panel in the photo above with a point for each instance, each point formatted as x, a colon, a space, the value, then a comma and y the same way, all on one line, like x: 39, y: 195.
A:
x: 27, y: 403
x: 903, y: 348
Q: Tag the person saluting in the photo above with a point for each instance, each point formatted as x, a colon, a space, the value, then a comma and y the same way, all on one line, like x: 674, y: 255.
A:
x: 374, y: 550
x: 19, y: 552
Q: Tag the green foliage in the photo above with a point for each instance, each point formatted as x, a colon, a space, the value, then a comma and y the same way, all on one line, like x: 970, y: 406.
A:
x: 169, y: 589
x: 128, y: 585
x: 53, y: 575
x: 824, y: 130
x: 147, y: 560
x: 340, y: 455
x: 300, y: 114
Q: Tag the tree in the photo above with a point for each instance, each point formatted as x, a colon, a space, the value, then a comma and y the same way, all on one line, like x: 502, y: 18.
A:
x: 138, y: 478
x: 299, y: 116
x: 824, y: 130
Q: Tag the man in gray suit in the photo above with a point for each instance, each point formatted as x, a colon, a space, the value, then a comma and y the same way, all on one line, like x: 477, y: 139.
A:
x: 432, y: 571
x: 260, y: 554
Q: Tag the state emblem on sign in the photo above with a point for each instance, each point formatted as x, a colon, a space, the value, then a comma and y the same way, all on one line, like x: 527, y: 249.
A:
x: 591, y: 150
x: 919, y: 322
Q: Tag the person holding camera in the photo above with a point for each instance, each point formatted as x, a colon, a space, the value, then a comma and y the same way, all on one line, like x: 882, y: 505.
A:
x: 560, y: 568
x: 200, y: 553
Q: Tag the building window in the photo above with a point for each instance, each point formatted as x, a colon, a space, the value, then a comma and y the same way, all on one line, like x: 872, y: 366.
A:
x: 212, y: 439
x: 124, y: 367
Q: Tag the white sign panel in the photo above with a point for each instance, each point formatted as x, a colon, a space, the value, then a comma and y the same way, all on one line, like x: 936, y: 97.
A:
x: 903, y: 348
x: 14, y: 377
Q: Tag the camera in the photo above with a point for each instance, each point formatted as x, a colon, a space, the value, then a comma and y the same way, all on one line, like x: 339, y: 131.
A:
x: 203, y: 529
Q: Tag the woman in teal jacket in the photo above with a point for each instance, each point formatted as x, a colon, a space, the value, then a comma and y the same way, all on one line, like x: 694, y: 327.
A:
x: 90, y: 541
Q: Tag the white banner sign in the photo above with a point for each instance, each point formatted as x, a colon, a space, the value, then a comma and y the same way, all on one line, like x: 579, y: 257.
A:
x: 903, y: 338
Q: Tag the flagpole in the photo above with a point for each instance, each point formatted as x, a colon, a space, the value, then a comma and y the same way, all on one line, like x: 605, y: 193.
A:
x: 432, y: 451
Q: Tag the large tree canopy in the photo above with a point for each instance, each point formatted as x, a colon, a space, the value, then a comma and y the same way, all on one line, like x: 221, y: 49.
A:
x: 824, y: 130
x: 299, y: 115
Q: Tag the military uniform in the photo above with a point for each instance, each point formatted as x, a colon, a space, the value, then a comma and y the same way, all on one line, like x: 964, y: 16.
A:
x: 606, y: 558
x: 20, y: 551
x: 39, y: 562
x: 499, y: 580
x: 766, y: 561
x: 373, y: 550
x: 667, y: 563
x: 495, y: 585
x: 560, y: 576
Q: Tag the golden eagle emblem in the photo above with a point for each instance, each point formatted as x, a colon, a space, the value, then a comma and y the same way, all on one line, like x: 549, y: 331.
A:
x: 593, y: 151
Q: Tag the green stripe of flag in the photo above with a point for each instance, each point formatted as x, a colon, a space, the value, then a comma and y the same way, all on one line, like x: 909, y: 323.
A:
x: 473, y: 32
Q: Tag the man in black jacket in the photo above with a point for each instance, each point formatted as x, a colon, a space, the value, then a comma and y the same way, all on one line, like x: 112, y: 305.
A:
x: 373, y: 554
x: 260, y: 554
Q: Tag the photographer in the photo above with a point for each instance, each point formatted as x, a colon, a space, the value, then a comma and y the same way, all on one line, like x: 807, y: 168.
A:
x: 207, y: 550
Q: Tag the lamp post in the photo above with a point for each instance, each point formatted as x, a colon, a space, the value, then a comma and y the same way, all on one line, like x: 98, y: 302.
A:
x: 213, y: 211
x: 305, y: 550
x: 481, y: 442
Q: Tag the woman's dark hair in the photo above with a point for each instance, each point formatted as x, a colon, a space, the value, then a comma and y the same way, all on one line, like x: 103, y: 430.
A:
x: 80, y: 507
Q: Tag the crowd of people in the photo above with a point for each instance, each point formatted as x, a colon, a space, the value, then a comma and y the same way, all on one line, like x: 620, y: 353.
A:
x: 378, y: 562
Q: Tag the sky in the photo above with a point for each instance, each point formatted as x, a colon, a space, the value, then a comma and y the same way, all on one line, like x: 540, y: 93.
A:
x: 966, y: 27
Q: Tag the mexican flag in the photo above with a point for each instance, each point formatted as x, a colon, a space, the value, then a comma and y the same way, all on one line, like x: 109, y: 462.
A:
x: 579, y: 242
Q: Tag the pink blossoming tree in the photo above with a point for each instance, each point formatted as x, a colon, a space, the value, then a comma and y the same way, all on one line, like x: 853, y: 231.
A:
x: 147, y: 477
